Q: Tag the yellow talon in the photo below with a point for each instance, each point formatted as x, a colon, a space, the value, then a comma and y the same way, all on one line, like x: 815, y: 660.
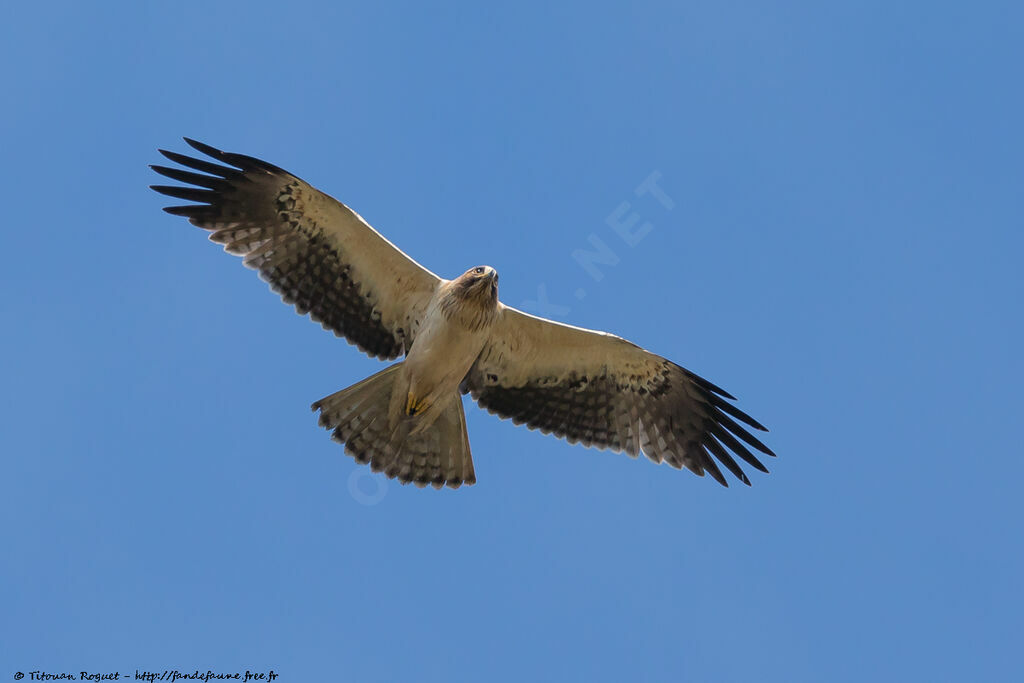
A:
x: 414, y: 406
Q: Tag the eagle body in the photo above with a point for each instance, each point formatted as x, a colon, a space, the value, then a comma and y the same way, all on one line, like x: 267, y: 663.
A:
x: 456, y: 337
x: 455, y: 328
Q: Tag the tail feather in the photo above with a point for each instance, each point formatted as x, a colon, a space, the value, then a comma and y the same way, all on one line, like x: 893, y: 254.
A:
x: 453, y: 452
x: 358, y: 417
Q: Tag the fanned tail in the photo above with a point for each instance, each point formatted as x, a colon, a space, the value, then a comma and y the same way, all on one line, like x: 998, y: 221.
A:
x: 358, y: 416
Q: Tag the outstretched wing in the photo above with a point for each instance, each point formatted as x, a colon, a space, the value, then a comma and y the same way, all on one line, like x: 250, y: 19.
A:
x: 604, y: 391
x: 315, y: 252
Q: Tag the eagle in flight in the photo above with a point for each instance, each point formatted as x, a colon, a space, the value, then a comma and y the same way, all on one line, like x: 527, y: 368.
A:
x: 457, y: 338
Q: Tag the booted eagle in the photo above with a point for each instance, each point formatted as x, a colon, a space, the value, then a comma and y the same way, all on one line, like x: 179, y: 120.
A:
x: 407, y: 421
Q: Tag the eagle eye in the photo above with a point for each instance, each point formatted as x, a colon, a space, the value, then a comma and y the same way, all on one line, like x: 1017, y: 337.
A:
x: 478, y: 271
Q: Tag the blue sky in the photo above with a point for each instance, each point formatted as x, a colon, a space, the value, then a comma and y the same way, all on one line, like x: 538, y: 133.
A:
x: 842, y: 252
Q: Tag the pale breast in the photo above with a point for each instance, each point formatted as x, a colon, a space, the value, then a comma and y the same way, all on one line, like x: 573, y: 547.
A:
x: 442, y: 353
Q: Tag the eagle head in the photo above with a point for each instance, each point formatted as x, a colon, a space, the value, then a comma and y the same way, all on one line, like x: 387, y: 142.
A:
x: 479, y: 284
x: 473, y: 296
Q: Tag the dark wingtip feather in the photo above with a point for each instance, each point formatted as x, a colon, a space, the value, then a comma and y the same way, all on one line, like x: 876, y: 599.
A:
x: 739, y: 431
x: 206, y: 149
x: 182, y: 176
x: 733, y: 444
x: 739, y: 414
x: 709, y: 386
x: 241, y: 161
x: 190, y: 193
x: 200, y: 165
x: 723, y: 456
x: 711, y: 468
x: 191, y: 211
